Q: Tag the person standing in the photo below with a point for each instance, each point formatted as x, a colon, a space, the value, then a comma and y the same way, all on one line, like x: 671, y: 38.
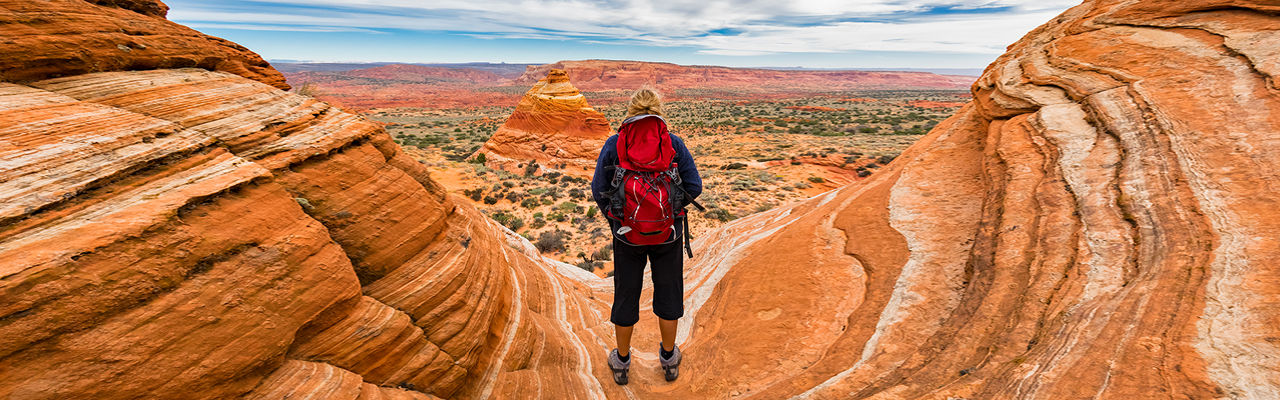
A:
x: 644, y: 179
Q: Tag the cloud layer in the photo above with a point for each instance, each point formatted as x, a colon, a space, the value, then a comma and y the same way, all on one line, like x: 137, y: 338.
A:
x: 715, y: 27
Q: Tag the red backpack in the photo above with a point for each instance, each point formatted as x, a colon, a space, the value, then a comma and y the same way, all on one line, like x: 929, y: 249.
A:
x: 646, y: 198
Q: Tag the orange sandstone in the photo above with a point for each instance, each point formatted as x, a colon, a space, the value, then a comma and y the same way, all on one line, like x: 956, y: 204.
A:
x: 552, y: 126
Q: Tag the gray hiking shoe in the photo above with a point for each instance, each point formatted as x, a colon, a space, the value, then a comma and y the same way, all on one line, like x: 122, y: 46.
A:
x: 619, y: 368
x: 670, y: 366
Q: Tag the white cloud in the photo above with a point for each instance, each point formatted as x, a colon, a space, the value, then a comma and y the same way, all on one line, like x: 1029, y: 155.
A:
x: 719, y: 27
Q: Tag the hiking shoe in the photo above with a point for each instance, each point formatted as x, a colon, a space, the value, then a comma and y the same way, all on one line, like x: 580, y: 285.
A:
x: 670, y: 366
x: 619, y: 368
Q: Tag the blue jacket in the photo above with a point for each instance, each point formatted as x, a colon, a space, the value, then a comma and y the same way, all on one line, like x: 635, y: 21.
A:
x: 689, y: 177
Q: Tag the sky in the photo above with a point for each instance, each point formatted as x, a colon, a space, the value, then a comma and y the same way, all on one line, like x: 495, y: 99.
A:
x: 776, y: 33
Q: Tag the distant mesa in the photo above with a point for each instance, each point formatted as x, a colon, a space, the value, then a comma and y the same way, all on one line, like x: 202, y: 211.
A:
x: 552, y: 126
x: 596, y: 75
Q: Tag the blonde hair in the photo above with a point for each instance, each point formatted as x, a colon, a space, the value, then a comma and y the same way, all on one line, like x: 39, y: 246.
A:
x: 645, y: 100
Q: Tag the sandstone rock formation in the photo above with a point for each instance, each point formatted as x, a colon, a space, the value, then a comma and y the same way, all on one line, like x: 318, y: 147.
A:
x: 1097, y: 223
x: 46, y: 39
x: 553, y: 126
x: 594, y: 75
x: 187, y: 233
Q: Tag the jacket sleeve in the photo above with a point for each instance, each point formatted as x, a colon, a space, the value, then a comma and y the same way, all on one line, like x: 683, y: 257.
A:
x: 603, y: 175
x: 691, y: 181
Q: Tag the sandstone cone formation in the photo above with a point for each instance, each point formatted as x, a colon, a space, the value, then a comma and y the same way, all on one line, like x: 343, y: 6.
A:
x: 1097, y: 223
x: 553, y: 126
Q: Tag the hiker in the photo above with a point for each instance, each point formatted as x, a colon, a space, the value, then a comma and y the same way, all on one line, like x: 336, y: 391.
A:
x: 644, y: 179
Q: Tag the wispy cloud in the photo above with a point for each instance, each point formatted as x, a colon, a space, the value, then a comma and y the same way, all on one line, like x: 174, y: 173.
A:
x: 719, y: 27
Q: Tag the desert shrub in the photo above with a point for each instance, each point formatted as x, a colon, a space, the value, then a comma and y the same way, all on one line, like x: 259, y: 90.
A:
x: 803, y: 185
x: 531, y: 168
x: 885, y: 159
x: 478, y: 159
x: 558, y: 217
x: 590, y: 266
x: 550, y: 241
x: 862, y: 173
x: 568, y: 207
x: 816, y: 179
x: 719, y: 214
x: 765, y: 207
x: 530, y: 203
x: 538, y: 223
x: 604, y: 253
x: 766, y: 177
x: 490, y: 200
x: 577, y: 193
x: 592, y: 211
x: 552, y: 177
x: 474, y: 194
x: 508, y: 184
x: 733, y: 166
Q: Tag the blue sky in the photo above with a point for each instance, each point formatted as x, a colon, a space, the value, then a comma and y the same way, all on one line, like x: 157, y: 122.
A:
x: 775, y: 33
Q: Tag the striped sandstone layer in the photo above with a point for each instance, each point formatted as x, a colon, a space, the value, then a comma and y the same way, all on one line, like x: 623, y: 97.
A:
x: 1098, y: 223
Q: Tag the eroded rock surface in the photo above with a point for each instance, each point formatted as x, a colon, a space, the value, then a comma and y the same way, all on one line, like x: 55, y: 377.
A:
x: 553, y: 126
x: 190, y: 233
x: 1097, y: 223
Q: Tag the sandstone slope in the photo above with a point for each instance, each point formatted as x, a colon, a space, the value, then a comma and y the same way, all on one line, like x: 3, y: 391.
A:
x: 1098, y: 223
x: 187, y: 233
x: 553, y: 126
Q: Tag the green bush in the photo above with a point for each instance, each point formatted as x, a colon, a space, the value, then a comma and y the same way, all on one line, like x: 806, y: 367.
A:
x: 816, y: 179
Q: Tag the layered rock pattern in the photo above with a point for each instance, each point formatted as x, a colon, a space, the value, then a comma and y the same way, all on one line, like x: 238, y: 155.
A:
x: 189, y: 233
x: 52, y: 38
x: 1095, y: 224
x: 553, y: 126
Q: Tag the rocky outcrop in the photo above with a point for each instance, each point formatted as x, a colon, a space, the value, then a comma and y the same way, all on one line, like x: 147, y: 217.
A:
x: 552, y: 126
x: 188, y: 233
x: 53, y: 38
x: 597, y: 75
x: 1095, y: 224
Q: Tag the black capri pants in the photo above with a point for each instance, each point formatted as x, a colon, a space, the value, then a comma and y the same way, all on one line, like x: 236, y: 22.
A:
x: 666, y: 261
